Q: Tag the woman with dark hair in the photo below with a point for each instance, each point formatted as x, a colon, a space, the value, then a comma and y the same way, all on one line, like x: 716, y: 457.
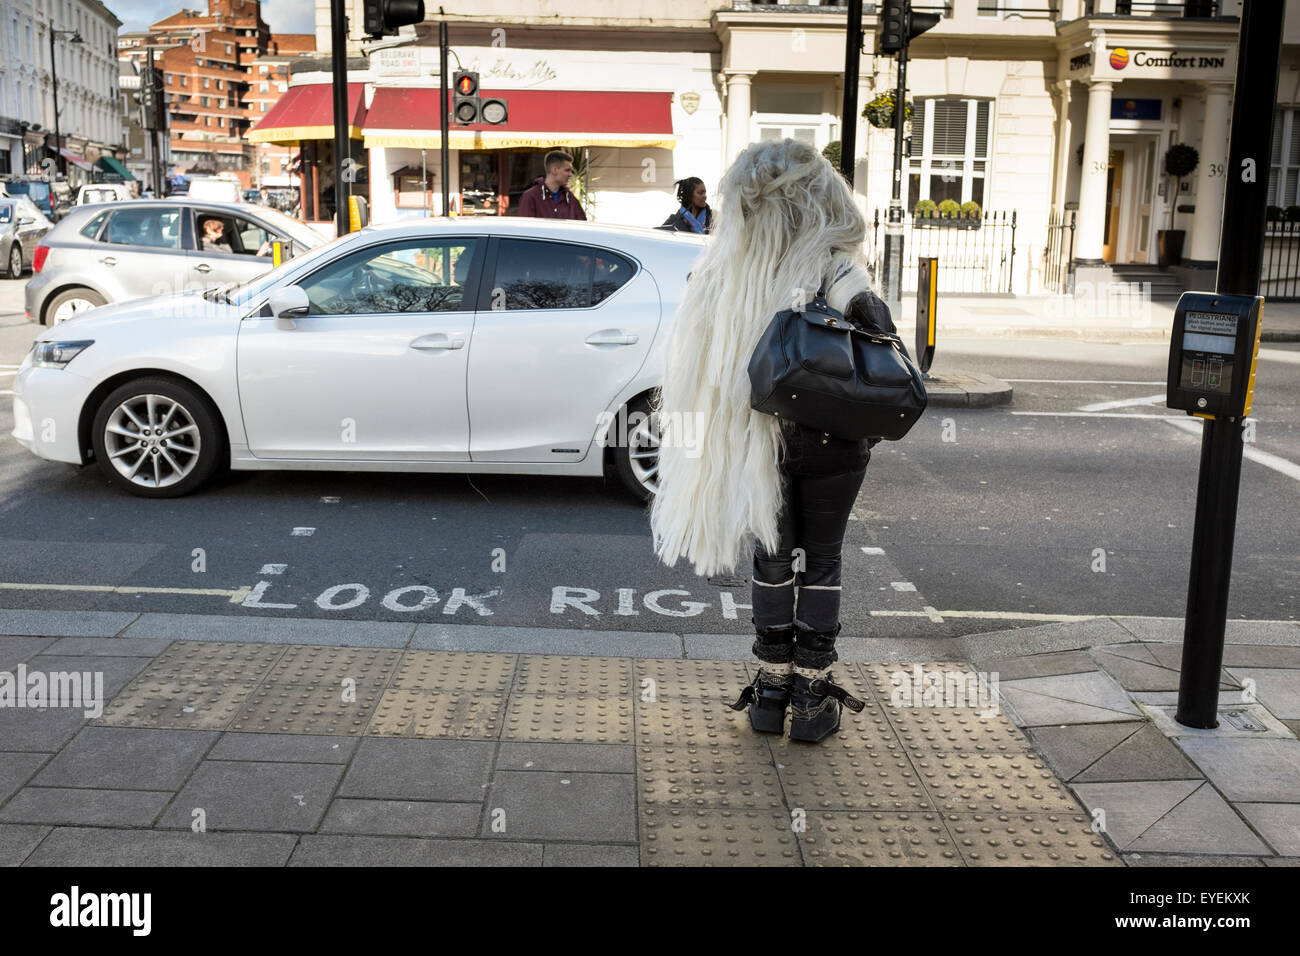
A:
x: 694, y: 214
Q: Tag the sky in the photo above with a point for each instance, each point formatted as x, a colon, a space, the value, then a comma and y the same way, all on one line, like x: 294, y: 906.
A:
x: 284, y: 16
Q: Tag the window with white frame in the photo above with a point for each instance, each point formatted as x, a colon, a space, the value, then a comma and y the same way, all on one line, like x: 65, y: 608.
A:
x: 950, y: 150
x: 1284, y: 164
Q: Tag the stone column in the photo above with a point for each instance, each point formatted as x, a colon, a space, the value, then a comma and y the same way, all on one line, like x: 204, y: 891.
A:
x: 1210, y: 182
x: 1092, y: 188
x: 737, y: 114
x: 1061, y: 94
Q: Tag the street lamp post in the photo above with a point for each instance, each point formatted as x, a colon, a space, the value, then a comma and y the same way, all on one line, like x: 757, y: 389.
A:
x: 74, y: 37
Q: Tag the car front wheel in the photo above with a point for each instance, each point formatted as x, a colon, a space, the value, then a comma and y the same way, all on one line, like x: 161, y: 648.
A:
x: 15, y: 270
x: 157, y: 438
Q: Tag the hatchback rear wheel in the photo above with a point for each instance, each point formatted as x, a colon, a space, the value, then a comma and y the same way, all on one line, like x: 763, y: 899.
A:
x: 72, y: 302
x: 15, y: 262
x: 157, y: 438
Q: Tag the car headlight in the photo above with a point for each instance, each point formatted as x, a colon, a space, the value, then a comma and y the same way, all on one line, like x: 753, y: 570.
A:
x: 57, y: 354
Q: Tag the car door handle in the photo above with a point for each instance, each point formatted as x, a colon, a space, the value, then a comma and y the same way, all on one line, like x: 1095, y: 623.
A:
x: 611, y: 337
x: 108, y: 261
x: 437, y: 340
x: 203, y: 267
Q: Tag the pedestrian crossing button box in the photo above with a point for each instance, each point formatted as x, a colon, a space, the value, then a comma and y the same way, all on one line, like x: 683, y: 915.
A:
x: 1213, y: 348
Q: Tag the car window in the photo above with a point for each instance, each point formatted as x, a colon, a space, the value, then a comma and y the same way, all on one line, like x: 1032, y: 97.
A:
x: 425, y: 275
x: 91, y: 229
x: 254, y: 240
x: 533, y: 274
x: 153, y: 228
x: 6, y: 212
x: 98, y: 195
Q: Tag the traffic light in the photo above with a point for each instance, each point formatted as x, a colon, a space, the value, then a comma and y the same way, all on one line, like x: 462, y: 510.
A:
x: 383, y: 17
x: 465, y: 103
x: 153, y: 100
x: 899, y: 25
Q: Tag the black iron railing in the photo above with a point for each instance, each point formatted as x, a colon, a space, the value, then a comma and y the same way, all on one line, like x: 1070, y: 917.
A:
x: 1058, y: 253
x: 1280, y: 277
x: 1159, y: 8
x: 976, y: 255
x: 1023, y: 11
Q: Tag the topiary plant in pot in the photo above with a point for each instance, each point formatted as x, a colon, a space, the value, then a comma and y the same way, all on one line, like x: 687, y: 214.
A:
x: 1180, y: 161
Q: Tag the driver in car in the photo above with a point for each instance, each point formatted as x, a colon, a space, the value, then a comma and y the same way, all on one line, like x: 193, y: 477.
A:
x: 214, y: 238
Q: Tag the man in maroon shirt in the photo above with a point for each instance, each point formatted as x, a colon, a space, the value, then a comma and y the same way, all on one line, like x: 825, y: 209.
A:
x: 549, y: 197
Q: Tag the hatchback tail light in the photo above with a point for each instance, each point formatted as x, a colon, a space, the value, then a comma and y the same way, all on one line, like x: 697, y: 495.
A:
x: 38, y: 257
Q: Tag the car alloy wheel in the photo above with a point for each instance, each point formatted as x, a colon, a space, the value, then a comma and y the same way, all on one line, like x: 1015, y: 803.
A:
x: 15, y: 262
x: 643, y: 453
x: 152, y: 440
x: 70, y: 307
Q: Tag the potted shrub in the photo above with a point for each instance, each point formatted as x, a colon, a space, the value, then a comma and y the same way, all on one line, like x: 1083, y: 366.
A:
x: 880, y: 111
x: 924, y: 210
x: 949, y: 209
x: 1180, y: 160
x: 832, y: 153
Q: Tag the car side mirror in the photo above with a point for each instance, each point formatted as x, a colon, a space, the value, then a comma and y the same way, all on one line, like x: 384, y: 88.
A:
x: 26, y: 221
x: 287, y: 304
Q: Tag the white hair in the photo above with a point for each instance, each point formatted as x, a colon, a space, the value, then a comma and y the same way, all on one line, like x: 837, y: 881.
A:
x: 786, y: 225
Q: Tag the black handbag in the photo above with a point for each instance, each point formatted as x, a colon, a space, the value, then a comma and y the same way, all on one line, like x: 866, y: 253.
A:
x: 818, y: 369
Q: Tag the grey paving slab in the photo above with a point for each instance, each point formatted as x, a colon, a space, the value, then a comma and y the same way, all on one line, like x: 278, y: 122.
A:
x: 1067, y: 699
x: 889, y: 650
x: 315, y: 850
x: 1277, y: 689
x: 77, y: 807
x: 718, y: 647
x: 608, y: 758
x: 1041, y: 665
x: 126, y: 758
x: 109, y: 646
x: 1203, y: 823
x: 578, y: 854
x: 1261, y: 655
x: 1135, y: 675
x: 1281, y: 861
x: 43, y: 731
x: 402, y: 818
x: 1072, y: 749
x: 1162, y: 629
x: 398, y: 769
x: 65, y: 623
x: 1131, y: 808
x: 1043, y: 638
x: 1170, y: 629
x: 590, y: 807
x: 1194, y: 860
x: 1236, y: 720
x: 271, y: 630
x: 1278, y: 823
x: 1137, y: 651
x: 15, y: 770
x: 15, y: 650
x: 238, y: 795
x: 284, y: 748
x: 117, y: 671
x: 546, y: 640
x: 1248, y: 771
x: 17, y: 841
x: 1146, y: 755
x: 77, y: 846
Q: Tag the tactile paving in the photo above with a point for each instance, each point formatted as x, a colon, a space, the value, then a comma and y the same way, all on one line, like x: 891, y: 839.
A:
x: 410, y: 712
x: 456, y: 671
x: 717, y: 837
x: 956, y: 731
x: 574, y: 718
x: 992, y: 783
x: 215, y: 660
x: 594, y: 676
x: 370, y: 666
x: 841, y: 773
x: 881, y: 838
x: 739, y: 774
x: 1029, y: 839
x: 306, y: 709
x: 677, y: 678
x: 188, y: 704
x: 690, y: 721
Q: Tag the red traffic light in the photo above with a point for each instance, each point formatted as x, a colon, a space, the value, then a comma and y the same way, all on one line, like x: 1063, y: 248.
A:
x: 465, y: 85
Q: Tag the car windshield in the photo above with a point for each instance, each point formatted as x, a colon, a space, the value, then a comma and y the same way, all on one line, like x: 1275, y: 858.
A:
x: 305, y: 236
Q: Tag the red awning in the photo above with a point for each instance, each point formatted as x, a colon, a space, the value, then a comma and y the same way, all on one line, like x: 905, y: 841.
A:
x: 402, y: 116
x: 307, y: 112
x: 79, y: 161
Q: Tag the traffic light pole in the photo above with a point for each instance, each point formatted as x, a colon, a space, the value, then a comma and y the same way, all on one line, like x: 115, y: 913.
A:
x: 155, y: 160
x: 893, y: 264
x: 339, y: 58
x: 444, y: 147
x: 1241, y: 245
x: 849, y: 117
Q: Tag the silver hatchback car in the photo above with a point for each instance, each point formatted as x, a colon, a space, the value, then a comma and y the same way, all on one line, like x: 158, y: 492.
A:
x: 111, y: 252
x: 22, y: 226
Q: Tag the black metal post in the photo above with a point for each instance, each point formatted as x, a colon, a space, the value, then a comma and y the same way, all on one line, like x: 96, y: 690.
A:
x: 60, y: 163
x: 893, y: 283
x: 155, y: 161
x: 849, y: 116
x: 443, y: 146
x: 1241, y: 245
x: 342, y: 150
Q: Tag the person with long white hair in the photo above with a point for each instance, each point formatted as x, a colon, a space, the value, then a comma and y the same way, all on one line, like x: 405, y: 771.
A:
x: 786, y: 228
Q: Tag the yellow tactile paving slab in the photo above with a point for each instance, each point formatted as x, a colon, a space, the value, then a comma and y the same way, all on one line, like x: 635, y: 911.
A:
x: 412, y: 712
x: 902, y: 783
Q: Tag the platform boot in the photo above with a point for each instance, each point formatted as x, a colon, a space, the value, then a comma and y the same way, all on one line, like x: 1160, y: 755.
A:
x: 814, y: 697
x: 769, y: 694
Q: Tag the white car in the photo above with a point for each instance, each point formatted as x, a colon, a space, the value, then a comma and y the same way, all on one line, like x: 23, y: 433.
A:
x: 510, y: 345
x: 103, y: 192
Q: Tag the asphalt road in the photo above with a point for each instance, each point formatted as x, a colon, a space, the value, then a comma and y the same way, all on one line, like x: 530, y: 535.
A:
x: 1078, y: 499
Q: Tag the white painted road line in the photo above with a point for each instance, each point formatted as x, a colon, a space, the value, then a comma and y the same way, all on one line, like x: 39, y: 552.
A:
x: 873, y: 550
x: 1277, y: 355
x: 902, y: 585
x: 1076, y: 381
x: 1122, y: 403
x: 303, y: 532
x: 990, y: 615
x: 1276, y: 462
x: 236, y: 596
x: 1163, y: 418
x: 273, y: 569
